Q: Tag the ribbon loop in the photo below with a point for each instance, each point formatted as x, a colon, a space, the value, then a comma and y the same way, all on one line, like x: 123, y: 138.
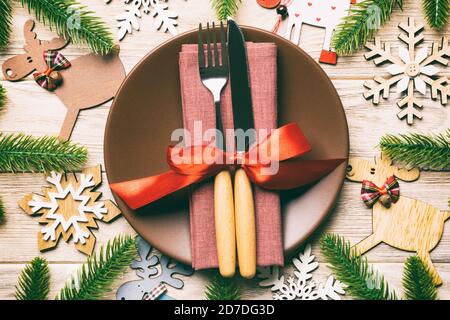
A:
x: 371, y: 193
x: 55, y: 61
x: 274, y: 163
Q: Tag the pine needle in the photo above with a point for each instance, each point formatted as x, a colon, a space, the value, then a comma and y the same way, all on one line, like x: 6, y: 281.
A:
x: 34, y: 281
x: 2, y: 95
x: 97, y: 276
x: 418, y: 150
x: 436, y: 12
x: 417, y: 280
x: 2, y: 210
x: 362, y: 282
x: 222, y: 289
x: 225, y: 8
x: 5, y: 23
x: 364, y: 20
x: 72, y: 19
x: 20, y: 152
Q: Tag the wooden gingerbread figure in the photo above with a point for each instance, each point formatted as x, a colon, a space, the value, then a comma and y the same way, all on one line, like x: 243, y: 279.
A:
x: 401, y: 222
x: 85, y: 82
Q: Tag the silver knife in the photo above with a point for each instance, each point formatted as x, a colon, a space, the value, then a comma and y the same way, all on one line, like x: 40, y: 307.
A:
x: 243, y: 119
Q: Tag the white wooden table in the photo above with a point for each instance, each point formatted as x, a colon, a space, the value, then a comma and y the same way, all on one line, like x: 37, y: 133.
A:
x: 32, y: 110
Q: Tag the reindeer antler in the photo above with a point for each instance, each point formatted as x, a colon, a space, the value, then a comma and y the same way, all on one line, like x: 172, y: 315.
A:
x: 168, y: 271
x: 32, y: 40
x: 30, y: 36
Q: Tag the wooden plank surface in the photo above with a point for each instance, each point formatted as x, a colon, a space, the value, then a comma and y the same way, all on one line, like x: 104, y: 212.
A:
x: 34, y: 111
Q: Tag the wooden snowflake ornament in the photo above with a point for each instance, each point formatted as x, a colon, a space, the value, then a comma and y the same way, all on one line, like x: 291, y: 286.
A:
x: 69, y: 209
x: 411, y: 71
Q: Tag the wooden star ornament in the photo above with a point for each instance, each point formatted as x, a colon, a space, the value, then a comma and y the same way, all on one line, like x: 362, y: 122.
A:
x: 69, y: 208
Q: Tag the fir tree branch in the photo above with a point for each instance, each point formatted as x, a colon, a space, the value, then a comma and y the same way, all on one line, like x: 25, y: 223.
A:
x: 19, y: 152
x: 97, y: 276
x: 418, y: 150
x: 5, y: 23
x: 362, y: 23
x: 417, y: 280
x: 2, y: 210
x: 436, y: 12
x: 2, y: 94
x: 353, y: 270
x: 225, y: 8
x: 63, y: 15
x: 34, y: 281
x: 222, y: 289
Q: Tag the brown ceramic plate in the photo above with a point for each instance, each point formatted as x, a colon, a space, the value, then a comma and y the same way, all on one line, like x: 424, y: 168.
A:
x: 147, y: 109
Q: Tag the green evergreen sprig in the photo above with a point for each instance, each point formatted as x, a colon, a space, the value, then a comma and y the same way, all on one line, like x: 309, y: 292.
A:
x: 417, y: 281
x: 2, y: 210
x: 353, y: 270
x: 73, y: 20
x: 2, y: 94
x: 418, y: 150
x: 34, y: 281
x: 362, y: 23
x: 96, y: 277
x: 225, y: 8
x: 5, y: 22
x: 222, y: 289
x: 436, y: 12
x: 19, y: 152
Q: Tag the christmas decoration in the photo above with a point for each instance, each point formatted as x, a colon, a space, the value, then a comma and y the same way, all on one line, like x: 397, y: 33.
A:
x: 364, y: 20
x: 72, y: 20
x: 153, y: 270
x: 225, y: 8
x: 436, y: 12
x: 222, y: 289
x: 418, y: 150
x: 409, y: 224
x: 5, y: 22
x: 364, y: 283
x: 90, y: 81
x: 268, y: 4
x: 300, y: 286
x: 34, y: 281
x: 324, y: 14
x: 411, y: 71
x: 19, y: 152
x: 69, y: 209
x: 128, y: 21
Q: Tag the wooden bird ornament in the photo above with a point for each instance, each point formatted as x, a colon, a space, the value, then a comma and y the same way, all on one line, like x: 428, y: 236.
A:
x: 408, y: 224
x: 87, y: 82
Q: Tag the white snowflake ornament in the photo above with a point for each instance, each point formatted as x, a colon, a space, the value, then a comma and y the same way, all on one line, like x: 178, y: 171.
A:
x: 300, y: 286
x: 69, y: 209
x: 410, y: 71
x: 128, y: 21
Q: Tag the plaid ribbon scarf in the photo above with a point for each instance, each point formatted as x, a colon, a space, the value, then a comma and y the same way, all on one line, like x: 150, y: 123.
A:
x: 155, y: 292
x: 370, y: 192
x: 55, y: 61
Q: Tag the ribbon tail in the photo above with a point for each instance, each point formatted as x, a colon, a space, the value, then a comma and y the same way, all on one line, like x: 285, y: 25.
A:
x: 140, y: 192
x: 293, y: 173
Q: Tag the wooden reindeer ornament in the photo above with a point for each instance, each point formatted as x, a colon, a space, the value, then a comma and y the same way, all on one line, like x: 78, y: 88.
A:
x: 408, y: 224
x: 90, y: 81
x: 320, y: 13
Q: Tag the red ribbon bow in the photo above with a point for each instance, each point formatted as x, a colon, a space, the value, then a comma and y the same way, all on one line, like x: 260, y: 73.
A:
x: 370, y: 192
x: 55, y: 61
x: 292, y: 172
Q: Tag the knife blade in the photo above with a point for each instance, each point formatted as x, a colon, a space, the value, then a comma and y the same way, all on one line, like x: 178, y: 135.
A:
x: 240, y: 85
x: 243, y: 119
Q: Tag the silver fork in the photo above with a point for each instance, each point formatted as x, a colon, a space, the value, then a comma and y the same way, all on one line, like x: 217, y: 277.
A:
x: 215, y: 76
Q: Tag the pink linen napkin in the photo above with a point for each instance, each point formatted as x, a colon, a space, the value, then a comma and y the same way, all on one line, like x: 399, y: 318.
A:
x: 198, y: 105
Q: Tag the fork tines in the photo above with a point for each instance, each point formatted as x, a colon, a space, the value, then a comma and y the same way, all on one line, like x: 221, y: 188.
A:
x: 210, y: 36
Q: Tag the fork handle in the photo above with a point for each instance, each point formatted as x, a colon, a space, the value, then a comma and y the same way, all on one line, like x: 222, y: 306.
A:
x: 245, y: 224
x: 224, y: 222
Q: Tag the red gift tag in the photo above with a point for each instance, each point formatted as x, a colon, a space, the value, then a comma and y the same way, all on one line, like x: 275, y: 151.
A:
x: 268, y: 4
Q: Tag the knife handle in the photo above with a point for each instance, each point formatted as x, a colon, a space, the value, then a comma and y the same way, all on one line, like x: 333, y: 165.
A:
x: 224, y: 222
x: 245, y: 224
